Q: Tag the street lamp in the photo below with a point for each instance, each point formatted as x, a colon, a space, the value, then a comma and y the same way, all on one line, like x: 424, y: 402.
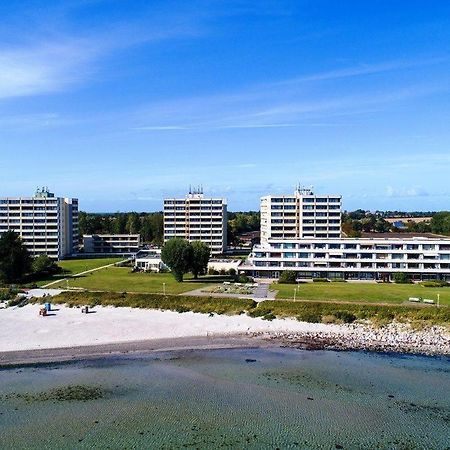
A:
x: 164, y: 288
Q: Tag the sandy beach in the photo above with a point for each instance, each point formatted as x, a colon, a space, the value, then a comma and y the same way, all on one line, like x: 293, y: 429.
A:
x: 68, y: 333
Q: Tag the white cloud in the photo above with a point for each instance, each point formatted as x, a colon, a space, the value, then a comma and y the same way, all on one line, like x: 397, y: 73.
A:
x: 43, y: 68
x: 415, y: 191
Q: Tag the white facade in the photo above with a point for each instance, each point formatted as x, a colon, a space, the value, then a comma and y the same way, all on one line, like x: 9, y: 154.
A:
x: 301, y: 215
x: 352, y: 258
x: 47, y: 224
x: 149, y: 260
x: 197, y: 218
x: 111, y: 243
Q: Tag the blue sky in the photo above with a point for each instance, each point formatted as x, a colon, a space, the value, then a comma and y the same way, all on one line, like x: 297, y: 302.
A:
x: 121, y: 103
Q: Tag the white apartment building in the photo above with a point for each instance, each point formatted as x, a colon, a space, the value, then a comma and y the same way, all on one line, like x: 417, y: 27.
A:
x: 197, y: 218
x: 47, y: 224
x: 423, y: 258
x: 301, y: 215
x: 112, y: 243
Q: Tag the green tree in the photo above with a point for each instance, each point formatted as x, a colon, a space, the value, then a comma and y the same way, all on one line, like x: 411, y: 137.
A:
x: 440, y: 222
x: 43, y: 265
x: 401, y: 278
x: 120, y: 224
x: 15, y: 260
x: 157, y: 221
x: 288, y: 277
x: 133, y: 223
x: 147, y: 228
x: 177, y: 255
x: 200, y: 258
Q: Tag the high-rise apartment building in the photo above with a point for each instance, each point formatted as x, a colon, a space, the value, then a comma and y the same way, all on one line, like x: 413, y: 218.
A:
x: 47, y: 224
x: 197, y: 218
x: 301, y: 215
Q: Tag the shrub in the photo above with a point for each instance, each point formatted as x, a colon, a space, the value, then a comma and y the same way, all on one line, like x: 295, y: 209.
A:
x: 8, y: 294
x: 244, y: 279
x: 345, y: 316
x: 401, y: 278
x: 232, y: 272
x: 269, y: 316
x: 259, y: 312
x: 329, y: 318
x: 436, y: 283
x: 338, y: 280
x: 320, y: 280
x: 287, y: 277
x: 310, y: 316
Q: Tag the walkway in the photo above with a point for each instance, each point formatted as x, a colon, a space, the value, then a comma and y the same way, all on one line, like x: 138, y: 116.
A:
x: 262, y: 291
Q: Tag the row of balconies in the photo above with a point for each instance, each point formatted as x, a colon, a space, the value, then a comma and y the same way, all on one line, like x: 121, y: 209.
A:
x: 287, y: 266
x: 278, y: 256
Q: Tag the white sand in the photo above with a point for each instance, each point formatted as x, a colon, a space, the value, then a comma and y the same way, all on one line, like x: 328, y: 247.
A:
x: 23, y: 329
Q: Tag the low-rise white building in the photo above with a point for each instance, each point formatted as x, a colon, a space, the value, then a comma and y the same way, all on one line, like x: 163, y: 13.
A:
x: 149, y: 260
x: 423, y: 258
x: 112, y: 243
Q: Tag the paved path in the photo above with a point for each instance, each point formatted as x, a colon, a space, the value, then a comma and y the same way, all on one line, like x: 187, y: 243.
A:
x: 82, y: 273
x: 262, y: 290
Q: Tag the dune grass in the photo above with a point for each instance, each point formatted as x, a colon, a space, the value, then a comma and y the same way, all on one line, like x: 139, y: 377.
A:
x: 360, y: 292
x: 177, y: 303
x: 269, y: 309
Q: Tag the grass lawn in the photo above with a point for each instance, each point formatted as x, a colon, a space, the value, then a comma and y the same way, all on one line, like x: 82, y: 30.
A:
x: 360, y: 292
x: 121, y: 279
x: 73, y: 266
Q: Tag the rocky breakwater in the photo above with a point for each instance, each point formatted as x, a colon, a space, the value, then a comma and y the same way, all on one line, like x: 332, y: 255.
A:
x: 394, y: 337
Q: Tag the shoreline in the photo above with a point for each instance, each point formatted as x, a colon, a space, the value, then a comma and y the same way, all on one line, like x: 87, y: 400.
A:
x: 67, y: 334
x: 301, y: 341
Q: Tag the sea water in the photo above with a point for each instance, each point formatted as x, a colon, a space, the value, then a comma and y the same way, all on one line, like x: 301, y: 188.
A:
x: 240, y: 398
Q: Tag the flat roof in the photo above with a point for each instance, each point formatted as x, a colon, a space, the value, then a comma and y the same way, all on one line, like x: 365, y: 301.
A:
x: 405, y: 235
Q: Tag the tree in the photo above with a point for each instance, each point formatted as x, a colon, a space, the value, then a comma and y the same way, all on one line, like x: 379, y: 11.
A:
x: 401, y: 278
x: 288, y: 277
x: 440, y: 223
x: 43, y: 265
x: 15, y: 260
x: 157, y: 220
x: 120, y: 224
x: 200, y: 258
x: 147, y: 229
x: 177, y: 255
x: 133, y: 223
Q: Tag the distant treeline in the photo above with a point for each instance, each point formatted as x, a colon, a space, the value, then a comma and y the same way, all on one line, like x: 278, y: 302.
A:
x: 356, y: 222
x: 148, y: 225
x: 151, y: 225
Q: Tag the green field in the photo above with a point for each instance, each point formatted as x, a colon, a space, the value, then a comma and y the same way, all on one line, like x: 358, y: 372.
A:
x: 74, y: 266
x: 121, y: 279
x: 360, y: 292
x: 80, y: 265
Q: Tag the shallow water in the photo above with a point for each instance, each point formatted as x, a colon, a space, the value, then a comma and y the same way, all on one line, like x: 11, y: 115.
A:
x: 252, y: 398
